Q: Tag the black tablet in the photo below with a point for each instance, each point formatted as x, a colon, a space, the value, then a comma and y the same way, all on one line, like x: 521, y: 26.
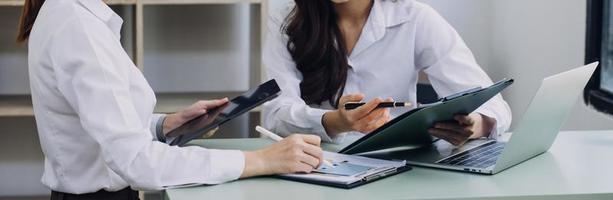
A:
x: 199, y: 126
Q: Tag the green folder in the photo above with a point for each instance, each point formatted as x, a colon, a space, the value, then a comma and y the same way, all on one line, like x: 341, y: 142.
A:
x: 411, y: 127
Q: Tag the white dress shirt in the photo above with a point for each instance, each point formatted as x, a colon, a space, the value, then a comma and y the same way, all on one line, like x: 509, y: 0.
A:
x: 93, y: 110
x: 400, y: 39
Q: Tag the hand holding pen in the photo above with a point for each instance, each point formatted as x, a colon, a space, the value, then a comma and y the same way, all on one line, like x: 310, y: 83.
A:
x: 278, y: 138
x: 365, y: 118
x: 296, y: 153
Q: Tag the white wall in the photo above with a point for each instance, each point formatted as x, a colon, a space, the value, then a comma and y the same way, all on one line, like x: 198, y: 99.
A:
x: 534, y: 39
x: 526, y: 40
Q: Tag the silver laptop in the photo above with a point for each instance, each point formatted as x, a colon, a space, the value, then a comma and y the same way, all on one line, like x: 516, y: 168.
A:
x: 534, y: 134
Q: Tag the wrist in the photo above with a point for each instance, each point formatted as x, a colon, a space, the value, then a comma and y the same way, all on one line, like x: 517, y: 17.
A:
x: 254, y: 164
x: 487, y: 126
x: 169, y: 123
x: 333, y: 123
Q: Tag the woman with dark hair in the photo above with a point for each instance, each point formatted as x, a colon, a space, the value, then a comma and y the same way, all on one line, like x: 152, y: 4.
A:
x: 93, y: 111
x: 325, y: 53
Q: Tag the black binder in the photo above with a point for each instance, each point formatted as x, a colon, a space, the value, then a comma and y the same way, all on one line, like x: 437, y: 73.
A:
x: 411, y: 127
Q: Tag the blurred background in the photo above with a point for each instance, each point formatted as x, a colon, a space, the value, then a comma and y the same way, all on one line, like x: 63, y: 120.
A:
x: 202, y: 49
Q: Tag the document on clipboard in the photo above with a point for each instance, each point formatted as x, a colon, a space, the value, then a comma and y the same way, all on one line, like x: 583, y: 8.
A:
x: 349, y: 171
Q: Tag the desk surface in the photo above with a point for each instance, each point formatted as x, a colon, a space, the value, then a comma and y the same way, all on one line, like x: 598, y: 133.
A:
x: 579, y: 165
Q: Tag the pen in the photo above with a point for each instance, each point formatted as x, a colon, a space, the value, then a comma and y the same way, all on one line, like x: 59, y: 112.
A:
x: 278, y: 138
x: 395, y: 104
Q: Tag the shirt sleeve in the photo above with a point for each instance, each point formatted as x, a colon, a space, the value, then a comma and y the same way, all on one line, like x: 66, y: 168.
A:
x: 288, y: 113
x: 451, y: 67
x: 155, y: 126
x: 91, y: 70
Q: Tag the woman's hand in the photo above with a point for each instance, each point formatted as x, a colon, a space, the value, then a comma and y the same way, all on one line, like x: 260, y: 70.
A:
x: 199, y: 108
x: 294, y: 154
x: 363, y: 119
x: 464, y: 128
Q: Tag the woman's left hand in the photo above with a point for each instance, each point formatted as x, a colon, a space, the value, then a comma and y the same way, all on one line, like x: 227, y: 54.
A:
x: 465, y: 127
x: 199, y: 108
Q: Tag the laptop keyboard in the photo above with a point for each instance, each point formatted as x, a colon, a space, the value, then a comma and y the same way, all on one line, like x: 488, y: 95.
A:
x: 479, y: 157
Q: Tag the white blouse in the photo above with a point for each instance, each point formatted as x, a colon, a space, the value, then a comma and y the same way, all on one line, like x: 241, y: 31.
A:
x: 400, y: 39
x: 93, y: 110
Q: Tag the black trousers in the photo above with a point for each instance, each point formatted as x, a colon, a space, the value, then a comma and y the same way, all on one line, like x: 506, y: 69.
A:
x: 125, y: 194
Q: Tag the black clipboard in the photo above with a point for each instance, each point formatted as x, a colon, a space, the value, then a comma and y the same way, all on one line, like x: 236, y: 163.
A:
x: 411, y: 127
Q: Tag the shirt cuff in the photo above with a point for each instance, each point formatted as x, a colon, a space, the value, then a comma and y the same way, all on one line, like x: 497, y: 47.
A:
x: 317, y: 116
x: 157, y: 126
x: 226, y: 165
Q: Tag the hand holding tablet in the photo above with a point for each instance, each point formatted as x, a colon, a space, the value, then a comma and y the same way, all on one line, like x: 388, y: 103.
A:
x: 214, y: 118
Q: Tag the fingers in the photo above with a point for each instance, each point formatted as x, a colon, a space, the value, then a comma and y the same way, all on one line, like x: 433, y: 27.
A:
x: 201, y: 107
x: 463, y: 130
x: 351, y: 98
x: 373, y: 121
x: 308, y: 144
x: 465, y: 119
x: 311, y: 139
x: 313, y: 150
x: 367, y: 108
x: 367, y: 117
x: 379, y: 122
x: 313, y: 162
x: 198, y: 108
x: 303, y: 168
x: 211, y: 103
x: 447, y: 135
x: 372, y: 116
x: 305, y: 152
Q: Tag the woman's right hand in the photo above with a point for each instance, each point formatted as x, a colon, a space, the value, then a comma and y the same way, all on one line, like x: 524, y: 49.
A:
x: 294, y: 154
x: 363, y: 119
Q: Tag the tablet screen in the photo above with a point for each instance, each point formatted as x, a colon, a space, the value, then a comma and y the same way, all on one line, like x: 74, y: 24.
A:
x: 199, y: 126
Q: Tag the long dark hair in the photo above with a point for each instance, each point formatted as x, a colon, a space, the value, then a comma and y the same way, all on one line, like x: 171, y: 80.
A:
x: 318, y: 49
x: 28, y: 16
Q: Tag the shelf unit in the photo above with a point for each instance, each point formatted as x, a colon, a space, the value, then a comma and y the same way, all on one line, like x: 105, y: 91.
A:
x: 16, y: 106
x: 16, y: 113
x: 20, y: 105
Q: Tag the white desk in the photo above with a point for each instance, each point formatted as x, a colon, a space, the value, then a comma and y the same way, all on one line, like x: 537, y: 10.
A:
x: 578, y: 166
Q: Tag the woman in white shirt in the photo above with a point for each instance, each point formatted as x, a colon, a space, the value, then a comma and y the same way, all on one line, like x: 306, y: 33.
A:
x: 324, y: 53
x: 93, y: 111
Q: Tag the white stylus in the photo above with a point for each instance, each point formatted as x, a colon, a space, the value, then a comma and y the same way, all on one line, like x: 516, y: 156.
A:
x: 278, y: 138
